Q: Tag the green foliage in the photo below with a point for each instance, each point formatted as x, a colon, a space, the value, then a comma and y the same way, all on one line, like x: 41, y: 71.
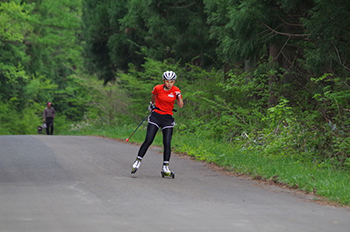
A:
x: 118, y: 33
x: 38, y: 51
x: 170, y: 30
x: 14, y: 22
x: 100, y: 104
x: 236, y: 26
x: 106, y: 49
x: 329, y: 50
x: 334, y: 102
x: 53, y: 46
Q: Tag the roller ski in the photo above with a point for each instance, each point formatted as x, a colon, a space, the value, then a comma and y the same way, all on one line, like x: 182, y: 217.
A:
x: 166, y: 172
x: 136, y: 165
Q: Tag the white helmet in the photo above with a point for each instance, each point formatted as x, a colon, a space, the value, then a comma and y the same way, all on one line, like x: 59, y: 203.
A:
x: 169, y: 76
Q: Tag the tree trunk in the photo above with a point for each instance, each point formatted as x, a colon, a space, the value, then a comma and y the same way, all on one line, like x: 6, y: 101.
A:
x: 248, y: 69
x: 273, y: 79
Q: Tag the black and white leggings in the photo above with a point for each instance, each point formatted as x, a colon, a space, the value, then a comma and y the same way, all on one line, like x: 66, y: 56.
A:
x: 151, y: 133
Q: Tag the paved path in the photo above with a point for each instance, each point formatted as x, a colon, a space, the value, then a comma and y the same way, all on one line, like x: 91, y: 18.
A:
x: 72, y: 183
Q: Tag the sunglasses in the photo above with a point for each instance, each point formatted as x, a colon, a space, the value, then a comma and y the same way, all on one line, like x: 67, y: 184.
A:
x: 170, y: 81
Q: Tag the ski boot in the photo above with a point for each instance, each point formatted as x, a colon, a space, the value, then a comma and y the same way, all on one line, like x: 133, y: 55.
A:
x: 166, y: 172
x: 136, y: 165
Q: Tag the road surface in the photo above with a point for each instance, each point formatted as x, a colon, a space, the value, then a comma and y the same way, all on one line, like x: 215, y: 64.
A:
x: 76, y: 183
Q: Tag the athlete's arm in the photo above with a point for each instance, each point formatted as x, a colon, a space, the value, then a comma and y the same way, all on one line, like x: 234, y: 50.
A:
x: 180, y: 102
x: 154, y: 99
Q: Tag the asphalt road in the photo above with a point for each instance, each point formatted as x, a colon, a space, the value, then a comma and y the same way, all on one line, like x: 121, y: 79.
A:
x: 72, y: 183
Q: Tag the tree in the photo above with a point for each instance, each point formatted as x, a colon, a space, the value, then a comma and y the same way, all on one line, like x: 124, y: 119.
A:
x: 14, y: 21
x: 172, y: 29
x: 106, y: 49
x: 249, y: 31
x: 118, y: 33
x: 328, y: 49
x: 38, y: 52
x: 54, y: 47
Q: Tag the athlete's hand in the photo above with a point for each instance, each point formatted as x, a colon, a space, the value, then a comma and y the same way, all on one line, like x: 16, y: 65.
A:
x: 151, y: 107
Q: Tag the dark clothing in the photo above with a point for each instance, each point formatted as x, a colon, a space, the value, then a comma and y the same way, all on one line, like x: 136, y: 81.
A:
x: 48, y: 115
x: 151, y: 133
x: 163, y: 121
x: 156, y: 121
x: 49, y: 112
x: 49, y: 125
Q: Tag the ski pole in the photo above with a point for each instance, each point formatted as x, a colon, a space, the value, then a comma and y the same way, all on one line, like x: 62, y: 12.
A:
x: 137, y: 127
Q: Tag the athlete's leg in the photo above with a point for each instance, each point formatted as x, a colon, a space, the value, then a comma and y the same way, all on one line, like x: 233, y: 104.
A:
x: 167, y: 136
x: 151, y: 133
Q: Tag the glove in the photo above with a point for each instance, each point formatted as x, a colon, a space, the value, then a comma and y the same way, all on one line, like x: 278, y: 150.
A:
x: 151, y: 107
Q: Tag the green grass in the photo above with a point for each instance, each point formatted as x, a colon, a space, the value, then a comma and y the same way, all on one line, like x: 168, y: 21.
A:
x: 330, y: 183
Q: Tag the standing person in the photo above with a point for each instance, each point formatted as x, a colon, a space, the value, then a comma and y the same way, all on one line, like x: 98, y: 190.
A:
x: 161, y: 108
x: 48, y: 116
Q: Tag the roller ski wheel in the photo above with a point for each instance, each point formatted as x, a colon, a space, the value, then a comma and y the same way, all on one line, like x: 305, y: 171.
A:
x: 168, y: 174
x: 134, y: 170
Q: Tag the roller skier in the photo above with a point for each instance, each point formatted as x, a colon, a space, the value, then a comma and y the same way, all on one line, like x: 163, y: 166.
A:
x: 161, y: 108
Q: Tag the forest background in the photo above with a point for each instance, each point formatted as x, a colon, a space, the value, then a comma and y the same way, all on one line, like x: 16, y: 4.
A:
x: 265, y: 82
